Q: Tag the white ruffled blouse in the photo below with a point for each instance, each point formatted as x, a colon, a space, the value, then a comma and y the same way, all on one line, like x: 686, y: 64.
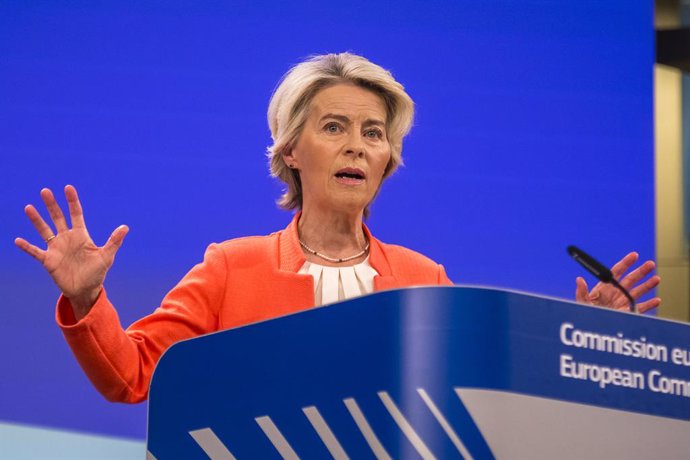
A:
x: 332, y: 284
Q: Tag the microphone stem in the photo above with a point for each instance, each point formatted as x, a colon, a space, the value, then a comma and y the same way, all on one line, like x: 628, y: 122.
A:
x: 633, y: 309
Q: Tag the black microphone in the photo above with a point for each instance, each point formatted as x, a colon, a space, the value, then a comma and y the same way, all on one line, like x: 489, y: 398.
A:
x: 602, y: 273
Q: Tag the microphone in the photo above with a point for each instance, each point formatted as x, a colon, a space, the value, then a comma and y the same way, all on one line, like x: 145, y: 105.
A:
x: 602, y: 273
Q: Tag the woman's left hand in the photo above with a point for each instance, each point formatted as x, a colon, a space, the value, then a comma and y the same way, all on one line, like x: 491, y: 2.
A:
x: 607, y: 295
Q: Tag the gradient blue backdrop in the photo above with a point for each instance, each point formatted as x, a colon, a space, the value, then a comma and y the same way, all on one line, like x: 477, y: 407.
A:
x: 534, y: 131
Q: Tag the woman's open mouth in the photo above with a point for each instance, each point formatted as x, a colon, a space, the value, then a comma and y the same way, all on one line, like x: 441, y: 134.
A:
x: 350, y: 176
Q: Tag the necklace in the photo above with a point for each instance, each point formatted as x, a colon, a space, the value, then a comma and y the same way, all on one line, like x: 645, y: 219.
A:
x: 333, y: 259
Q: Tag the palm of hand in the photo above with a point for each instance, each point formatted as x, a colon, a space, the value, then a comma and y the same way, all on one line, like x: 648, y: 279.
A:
x: 606, y: 295
x: 75, y: 263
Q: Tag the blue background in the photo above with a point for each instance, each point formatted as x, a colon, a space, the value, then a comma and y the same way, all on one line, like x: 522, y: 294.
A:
x: 533, y: 131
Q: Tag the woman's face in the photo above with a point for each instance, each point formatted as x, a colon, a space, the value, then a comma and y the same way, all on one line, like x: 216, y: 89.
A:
x: 343, y: 149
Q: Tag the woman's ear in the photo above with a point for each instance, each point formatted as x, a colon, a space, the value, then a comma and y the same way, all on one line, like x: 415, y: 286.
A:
x: 289, y: 158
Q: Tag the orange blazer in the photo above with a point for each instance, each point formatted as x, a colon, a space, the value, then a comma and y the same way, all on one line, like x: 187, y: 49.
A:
x: 240, y: 281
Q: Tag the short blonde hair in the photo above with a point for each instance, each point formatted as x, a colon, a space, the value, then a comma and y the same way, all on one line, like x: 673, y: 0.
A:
x: 289, y: 109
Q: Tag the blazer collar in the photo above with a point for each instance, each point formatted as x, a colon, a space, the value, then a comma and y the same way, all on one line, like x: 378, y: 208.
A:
x: 292, y: 257
x: 291, y: 254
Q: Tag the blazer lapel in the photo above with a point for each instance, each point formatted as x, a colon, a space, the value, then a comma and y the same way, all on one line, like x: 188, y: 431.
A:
x: 377, y: 259
x: 298, y: 288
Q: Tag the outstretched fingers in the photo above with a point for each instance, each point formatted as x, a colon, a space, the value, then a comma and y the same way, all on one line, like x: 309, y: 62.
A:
x: 648, y: 304
x: 634, y: 282
x: 644, y: 287
x: 54, y: 210
x: 581, y: 290
x: 624, y: 264
x: 75, y: 212
x: 43, y: 229
x: 115, y: 241
x: 34, y: 251
x: 631, y: 279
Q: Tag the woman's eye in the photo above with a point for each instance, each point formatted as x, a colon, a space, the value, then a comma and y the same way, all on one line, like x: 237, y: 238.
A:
x: 374, y: 133
x: 332, y: 128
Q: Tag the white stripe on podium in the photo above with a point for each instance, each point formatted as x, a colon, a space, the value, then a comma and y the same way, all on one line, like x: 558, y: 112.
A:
x: 365, y: 428
x: 444, y: 423
x: 276, y: 437
x: 325, y: 433
x: 405, y: 426
x: 209, y: 443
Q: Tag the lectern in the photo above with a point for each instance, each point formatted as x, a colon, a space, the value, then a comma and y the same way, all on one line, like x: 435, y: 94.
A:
x: 429, y: 372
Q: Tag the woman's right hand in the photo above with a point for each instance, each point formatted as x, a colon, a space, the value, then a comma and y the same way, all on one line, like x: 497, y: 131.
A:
x: 75, y: 263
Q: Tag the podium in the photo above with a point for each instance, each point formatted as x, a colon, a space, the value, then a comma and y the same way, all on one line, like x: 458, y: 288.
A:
x: 429, y: 372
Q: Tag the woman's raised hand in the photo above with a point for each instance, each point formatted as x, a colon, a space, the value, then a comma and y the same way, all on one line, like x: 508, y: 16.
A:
x: 636, y: 282
x: 75, y: 263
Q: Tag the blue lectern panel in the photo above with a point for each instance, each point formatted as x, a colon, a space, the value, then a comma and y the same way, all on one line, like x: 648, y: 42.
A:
x: 402, y: 349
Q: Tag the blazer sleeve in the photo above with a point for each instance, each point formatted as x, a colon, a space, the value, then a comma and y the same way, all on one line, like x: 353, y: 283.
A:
x: 120, y: 362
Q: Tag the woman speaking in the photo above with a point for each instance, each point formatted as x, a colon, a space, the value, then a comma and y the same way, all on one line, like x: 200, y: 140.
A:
x: 337, y: 123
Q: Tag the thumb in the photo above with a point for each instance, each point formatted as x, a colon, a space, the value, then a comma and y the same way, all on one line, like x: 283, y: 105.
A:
x: 115, y: 241
x: 581, y: 290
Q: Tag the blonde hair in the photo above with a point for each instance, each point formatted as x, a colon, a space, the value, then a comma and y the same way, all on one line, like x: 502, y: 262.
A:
x: 289, y: 109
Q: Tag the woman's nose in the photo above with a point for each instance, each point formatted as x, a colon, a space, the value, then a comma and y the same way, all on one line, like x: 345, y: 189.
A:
x: 355, y: 145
